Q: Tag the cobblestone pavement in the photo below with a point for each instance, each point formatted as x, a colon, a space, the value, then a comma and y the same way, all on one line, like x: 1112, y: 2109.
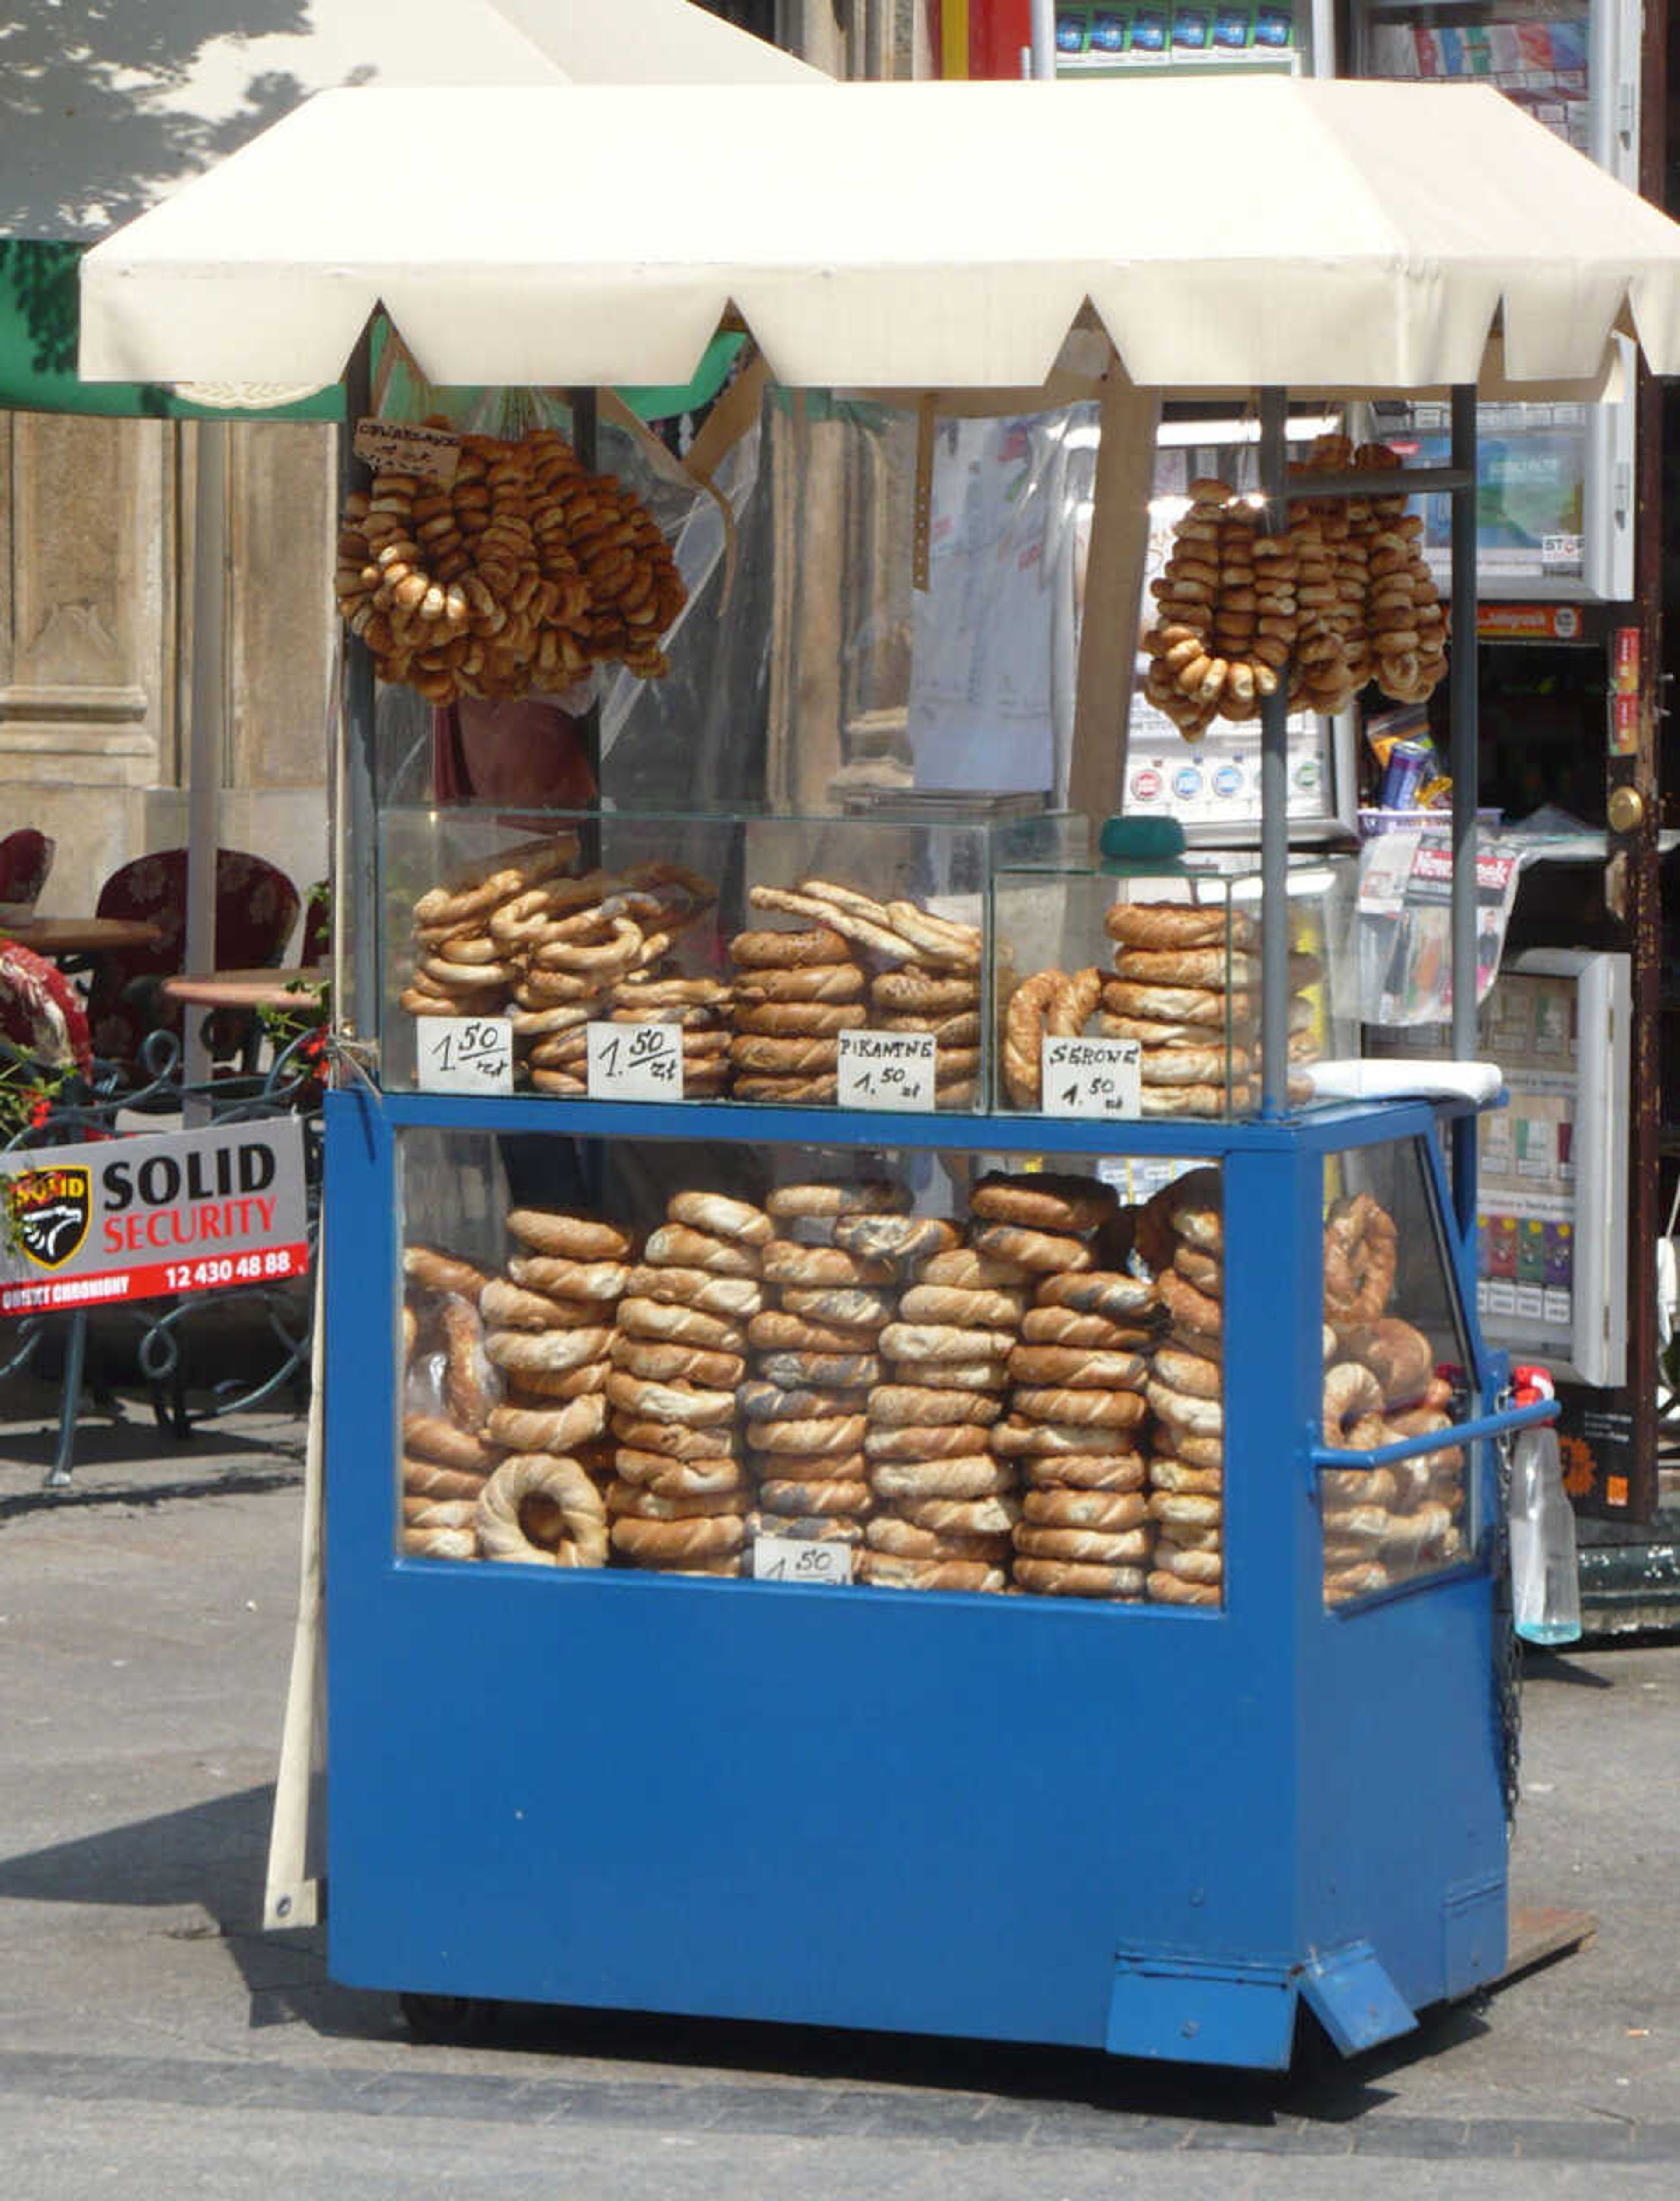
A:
x: 152, y: 2040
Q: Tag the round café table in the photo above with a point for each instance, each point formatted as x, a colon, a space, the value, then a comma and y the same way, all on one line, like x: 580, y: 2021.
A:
x: 244, y: 989
x: 84, y: 936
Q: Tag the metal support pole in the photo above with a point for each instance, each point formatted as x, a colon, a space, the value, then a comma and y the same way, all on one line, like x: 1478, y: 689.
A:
x: 1274, y: 799
x: 356, y: 890
x: 205, y: 733
x: 1465, y: 749
x: 1043, y: 40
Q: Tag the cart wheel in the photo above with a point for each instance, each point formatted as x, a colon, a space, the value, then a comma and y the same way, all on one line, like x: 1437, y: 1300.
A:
x: 449, y: 2020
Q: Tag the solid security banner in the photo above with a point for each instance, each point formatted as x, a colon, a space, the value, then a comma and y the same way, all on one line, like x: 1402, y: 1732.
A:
x: 137, y: 1219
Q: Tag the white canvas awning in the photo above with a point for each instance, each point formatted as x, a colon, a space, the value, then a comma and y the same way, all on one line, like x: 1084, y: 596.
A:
x: 105, y: 111
x: 1226, y: 233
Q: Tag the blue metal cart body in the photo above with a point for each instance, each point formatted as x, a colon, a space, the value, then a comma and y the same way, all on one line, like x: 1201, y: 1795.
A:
x: 1132, y: 1827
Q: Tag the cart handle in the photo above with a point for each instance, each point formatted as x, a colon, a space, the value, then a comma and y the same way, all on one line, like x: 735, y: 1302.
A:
x: 1490, y: 1425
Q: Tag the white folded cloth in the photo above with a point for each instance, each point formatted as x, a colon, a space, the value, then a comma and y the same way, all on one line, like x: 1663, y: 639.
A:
x: 1401, y: 1078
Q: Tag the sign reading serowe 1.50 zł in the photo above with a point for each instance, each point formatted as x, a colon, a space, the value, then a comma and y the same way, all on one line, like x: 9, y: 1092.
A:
x: 137, y: 1218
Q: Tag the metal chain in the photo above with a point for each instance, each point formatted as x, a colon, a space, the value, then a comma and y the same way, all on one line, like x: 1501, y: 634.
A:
x: 1507, y: 1672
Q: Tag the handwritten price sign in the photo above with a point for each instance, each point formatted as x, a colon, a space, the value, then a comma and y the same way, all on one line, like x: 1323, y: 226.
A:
x: 886, y: 1070
x: 796, y: 1559
x: 464, y: 1054
x: 1093, y: 1077
x: 635, y: 1062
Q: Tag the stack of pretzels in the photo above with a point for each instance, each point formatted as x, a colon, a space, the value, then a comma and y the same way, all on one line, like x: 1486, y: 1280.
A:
x: 797, y: 989
x: 515, y: 932
x: 681, y: 1498
x: 515, y: 1426
x: 1381, y: 1384
x: 520, y: 572
x: 1181, y: 1234
x: 817, y: 1357
x: 945, y: 1500
x: 1075, y: 1374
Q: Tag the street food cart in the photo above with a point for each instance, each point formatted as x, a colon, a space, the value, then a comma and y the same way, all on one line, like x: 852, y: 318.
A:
x: 949, y: 1766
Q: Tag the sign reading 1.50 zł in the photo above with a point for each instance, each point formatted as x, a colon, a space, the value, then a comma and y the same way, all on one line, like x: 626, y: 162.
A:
x: 137, y: 1218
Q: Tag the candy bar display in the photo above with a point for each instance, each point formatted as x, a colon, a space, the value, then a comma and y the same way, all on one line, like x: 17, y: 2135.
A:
x: 1178, y: 986
x: 521, y: 570
x: 1337, y: 596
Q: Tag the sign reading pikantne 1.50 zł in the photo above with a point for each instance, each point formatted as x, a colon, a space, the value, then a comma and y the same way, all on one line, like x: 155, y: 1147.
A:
x: 135, y: 1218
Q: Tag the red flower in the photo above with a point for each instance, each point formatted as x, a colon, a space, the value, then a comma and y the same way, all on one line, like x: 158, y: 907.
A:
x: 39, y: 1114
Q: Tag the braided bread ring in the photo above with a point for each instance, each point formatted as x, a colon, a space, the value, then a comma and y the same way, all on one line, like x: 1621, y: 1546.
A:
x: 572, y: 1237
x: 1191, y: 1310
x: 947, y: 1305
x: 423, y: 1478
x: 1012, y: 1435
x: 817, y: 1438
x: 838, y: 1371
x: 590, y: 944
x: 920, y: 993
x: 764, y: 1401
x: 537, y: 1429
x: 780, y: 951
x: 811, y: 1467
x: 1351, y: 1390
x: 1042, y: 1202
x: 1205, y: 1567
x: 904, y: 1404
x: 678, y: 1478
x: 435, y: 1439
x: 1106, y: 1410
x: 1109, y: 1510
x: 1176, y: 925
x: 1189, y: 1371
x: 440, y: 1543
x: 940, y: 939
x: 660, y: 1541
x: 774, y: 1330
x: 671, y: 1440
x: 697, y: 1288
x: 894, y: 1238
x: 1185, y: 1507
x: 506, y: 1306
x: 1168, y: 1589
x: 811, y: 1268
x: 442, y: 1272
x: 1198, y: 1448
x: 1062, y: 1470
x: 848, y: 1499
x: 685, y: 1325
x: 1035, y: 1250
x: 1166, y: 1473
x: 581, y: 1516
x: 1177, y: 1005
x: 638, y: 1501
x: 871, y: 1196
x: 1089, y: 1546
x: 950, y: 1033
x: 968, y: 1376
x: 904, y: 1541
x: 548, y: 1352
x: 469, y: 1387
x: 1198, y: 1417
x: 967, y: 1271
x: 564, y: 1279
x: 856, y: 1310
x: 661, y: 1364
x: 669, y: 1402
x: 675, y: 1246
x: 967, y: 1474
x: 910, y: 1340
x: 1360, y: 1249
x: 1059, y: 1325
x: 882, y: 1570
x: 818, y: 982
x: 1024, y: 1037
x: 799, y: 1019
x: 723, y: 1217
x: 923, y: 1441
x: 1200, y: 1269
x: 1069, y: 1578
x: 566, y: 1383
x: 890, y: 947
x: 1078, y: 1370
x: 965, y: 1517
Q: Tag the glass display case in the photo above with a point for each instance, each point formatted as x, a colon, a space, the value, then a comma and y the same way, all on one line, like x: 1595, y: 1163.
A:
x: 1139, y: 996
x: 797, y: 961
x: 907, y: 1370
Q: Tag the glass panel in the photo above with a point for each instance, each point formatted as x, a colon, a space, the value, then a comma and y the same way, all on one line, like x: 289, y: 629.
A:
x: 914, y: 1371
x: 764, y: 940
x: 1162, y: 967
x: 1397, y: 1363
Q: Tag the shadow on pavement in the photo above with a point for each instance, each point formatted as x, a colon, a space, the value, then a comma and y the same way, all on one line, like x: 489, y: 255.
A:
x: 211, y: 1856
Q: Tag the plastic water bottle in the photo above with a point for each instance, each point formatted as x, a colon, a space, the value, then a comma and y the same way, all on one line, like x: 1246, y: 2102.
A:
x: 1545, y: 1582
